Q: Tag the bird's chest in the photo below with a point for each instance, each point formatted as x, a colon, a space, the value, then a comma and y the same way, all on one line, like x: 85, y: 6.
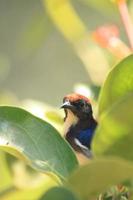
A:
x: 85, y: 136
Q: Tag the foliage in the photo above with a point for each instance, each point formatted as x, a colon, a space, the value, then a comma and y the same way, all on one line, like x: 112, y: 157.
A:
x: 43, y: 166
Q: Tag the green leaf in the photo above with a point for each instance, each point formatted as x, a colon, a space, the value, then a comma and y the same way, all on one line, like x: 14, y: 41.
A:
x: 30, y: 193
x: 118, y: 83
x: 114, y: 135
x: 96, y: 177
x: 29, y: 137
x: 50, y: 114
x: 58, y: 193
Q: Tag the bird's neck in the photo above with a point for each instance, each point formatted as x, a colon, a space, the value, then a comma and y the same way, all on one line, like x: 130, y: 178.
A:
x: 70, y: 120
x: 86, y: 123
x: 80, y: 124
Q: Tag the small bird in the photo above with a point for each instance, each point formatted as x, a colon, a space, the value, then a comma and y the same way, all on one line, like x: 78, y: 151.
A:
x: 79, y: 123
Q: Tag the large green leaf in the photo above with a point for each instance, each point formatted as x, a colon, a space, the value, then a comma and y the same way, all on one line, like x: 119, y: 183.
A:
x: 114, y: 135
x: 25, y: 135
x: 118, y: 83
x: 58, y: 193
x: 97, y: 176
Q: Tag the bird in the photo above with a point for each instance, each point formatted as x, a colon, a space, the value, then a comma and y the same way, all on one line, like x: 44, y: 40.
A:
x: 79, y: 123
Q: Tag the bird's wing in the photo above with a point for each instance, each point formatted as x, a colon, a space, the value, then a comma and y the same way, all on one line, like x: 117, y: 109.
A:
x: 83, y: 148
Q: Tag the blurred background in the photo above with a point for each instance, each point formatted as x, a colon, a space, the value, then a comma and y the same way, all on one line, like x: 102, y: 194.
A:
x: 49, y: 48
x: 42, y: 60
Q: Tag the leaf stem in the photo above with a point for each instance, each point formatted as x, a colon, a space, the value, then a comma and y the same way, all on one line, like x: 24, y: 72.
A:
x: 123, y: 9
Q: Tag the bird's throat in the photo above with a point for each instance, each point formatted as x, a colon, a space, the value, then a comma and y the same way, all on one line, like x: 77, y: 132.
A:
x: 70, y: 120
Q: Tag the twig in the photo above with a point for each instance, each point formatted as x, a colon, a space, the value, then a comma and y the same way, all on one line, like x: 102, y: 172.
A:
x: 126, y: 20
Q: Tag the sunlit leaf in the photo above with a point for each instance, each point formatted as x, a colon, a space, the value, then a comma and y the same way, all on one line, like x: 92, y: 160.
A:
x: 5, y: 174
x: 96, y: 177
x: 75, y: 31
x: 58, y: 193
x: 118, y: 83
x: 65, y: 18
x: 25, y: 177
x: 33, y: 193
x: 114, y: 135
x: 29, y: 137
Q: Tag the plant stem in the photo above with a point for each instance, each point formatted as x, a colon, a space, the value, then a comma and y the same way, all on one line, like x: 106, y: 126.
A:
x: 126, y: 20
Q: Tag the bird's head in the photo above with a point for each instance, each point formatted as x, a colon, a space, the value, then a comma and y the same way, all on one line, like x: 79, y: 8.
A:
x: 77, y: 105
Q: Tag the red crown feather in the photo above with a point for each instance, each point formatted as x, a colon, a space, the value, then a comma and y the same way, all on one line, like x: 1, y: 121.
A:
x: 74, y: 97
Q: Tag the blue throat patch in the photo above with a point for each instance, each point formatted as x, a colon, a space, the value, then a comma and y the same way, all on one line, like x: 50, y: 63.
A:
x: 85, y: 136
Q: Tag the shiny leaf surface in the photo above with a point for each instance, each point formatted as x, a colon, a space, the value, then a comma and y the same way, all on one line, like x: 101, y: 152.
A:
x: 33, y: 139
x: 118, y: 83
x: 114, y: 135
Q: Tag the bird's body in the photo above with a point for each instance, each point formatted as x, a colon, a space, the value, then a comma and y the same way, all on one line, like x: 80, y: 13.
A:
x: 79, y: 123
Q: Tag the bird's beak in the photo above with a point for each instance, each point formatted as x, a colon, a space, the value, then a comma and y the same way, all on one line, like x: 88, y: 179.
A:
x: 66, y: 104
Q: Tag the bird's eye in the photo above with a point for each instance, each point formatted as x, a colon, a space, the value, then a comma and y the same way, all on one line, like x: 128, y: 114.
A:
x: 79, y: 103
